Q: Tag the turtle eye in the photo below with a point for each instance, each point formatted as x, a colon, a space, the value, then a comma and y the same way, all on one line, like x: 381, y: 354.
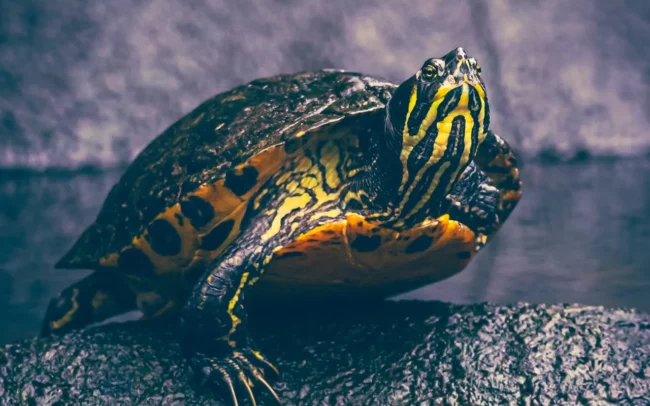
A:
x: 429, y: 72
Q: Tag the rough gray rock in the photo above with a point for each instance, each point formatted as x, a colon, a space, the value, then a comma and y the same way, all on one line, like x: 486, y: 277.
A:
x: 393, y: 353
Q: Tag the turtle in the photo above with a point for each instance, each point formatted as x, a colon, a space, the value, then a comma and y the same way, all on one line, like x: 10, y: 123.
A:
x: 320, y: 184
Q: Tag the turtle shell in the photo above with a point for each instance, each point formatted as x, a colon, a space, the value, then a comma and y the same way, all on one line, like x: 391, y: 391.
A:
x: 181, y: 197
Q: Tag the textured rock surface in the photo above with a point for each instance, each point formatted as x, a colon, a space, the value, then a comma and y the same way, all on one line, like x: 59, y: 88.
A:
x: 393, y: 353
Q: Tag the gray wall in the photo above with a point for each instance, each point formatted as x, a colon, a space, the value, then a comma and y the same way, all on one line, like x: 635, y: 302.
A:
x: 91, y: 82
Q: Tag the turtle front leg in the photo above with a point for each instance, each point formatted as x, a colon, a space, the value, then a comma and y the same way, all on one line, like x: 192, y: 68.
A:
x: 214, y: 328
x: 498, y: 161
x: 487, y: 191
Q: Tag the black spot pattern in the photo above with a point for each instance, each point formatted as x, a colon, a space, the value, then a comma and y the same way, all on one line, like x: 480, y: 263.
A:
x: 198, y: 211
x: 419, y: 244
x: 241, y: 184
x: 164, y: 238
x: 134, y: 261
x: 366, y: 244
x: 217, y: 236
x: 180, y: 220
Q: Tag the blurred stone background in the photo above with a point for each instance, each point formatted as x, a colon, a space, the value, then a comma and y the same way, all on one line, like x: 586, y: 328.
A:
x: 84, y: 86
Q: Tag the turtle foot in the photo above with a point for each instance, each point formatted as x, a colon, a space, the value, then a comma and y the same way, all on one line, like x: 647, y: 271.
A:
x: 235, y: 372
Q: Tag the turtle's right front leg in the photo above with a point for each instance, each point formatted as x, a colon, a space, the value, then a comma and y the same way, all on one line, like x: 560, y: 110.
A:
x: 213, y: 326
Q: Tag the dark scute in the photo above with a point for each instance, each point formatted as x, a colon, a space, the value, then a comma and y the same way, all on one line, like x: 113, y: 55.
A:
x: 134, y: 261
x: 419, y: 244
x: 291, y: 254
x: 198, y: 211
x: 366, y: 244
x: 292, y: 145
x: 217, y: 236
x: 464, y: 255
x: 240, y: 184
x: 164, y: 238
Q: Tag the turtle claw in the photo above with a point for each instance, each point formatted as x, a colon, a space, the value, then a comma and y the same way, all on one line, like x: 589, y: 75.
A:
x: 233, y: 371
x: 267, y: 364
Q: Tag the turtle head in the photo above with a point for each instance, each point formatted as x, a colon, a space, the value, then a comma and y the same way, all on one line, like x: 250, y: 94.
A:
x: 436, y: 119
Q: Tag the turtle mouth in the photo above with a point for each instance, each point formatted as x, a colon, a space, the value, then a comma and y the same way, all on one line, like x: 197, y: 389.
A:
x: 462, y: 77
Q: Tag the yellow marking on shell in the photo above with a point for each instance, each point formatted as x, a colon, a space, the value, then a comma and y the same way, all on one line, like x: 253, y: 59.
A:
x: 290, y: 203
x: 356, y: 196
x: 197, y: 120
x: 333, y: 213
x: 202, y: 256
x: 330, y: 159
x: 67, y: 317
x: 309, y: 182
x: 226, y: 205
x: 189, y: 243
x: 258, y: 199
x: 304, y: 164
x: 234, y: 97
x: 316, y: 188
x: 221, y: 198
x: 292, y: 186
x: 219, y: 127
x: 231, y: 306
x: 110, y: 260
x: 387, y: 269
x: 283, y: 178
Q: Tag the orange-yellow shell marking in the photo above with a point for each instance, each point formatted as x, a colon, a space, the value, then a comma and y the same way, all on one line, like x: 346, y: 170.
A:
x: 226, y: 205
x: 353, y: 255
